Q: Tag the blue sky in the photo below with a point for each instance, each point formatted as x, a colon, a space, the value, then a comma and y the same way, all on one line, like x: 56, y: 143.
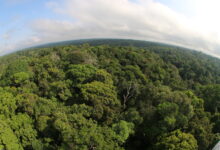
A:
x: 188, y: 23
x: 182, y: 6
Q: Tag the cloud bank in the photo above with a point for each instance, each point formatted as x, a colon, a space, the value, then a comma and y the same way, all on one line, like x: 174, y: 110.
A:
x: 141, y: 19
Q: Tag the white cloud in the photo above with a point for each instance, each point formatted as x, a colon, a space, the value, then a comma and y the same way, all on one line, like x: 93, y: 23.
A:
x: 143, y: 19
x: 7, y: 35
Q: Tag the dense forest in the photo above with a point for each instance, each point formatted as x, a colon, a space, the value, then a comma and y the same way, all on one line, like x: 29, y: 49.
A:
x: 109, y: 95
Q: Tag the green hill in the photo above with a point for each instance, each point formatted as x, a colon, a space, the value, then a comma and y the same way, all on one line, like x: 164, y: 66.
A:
x: 109, y: 94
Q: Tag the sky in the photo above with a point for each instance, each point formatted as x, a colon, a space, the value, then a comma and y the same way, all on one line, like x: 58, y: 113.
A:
x: 189, y: 23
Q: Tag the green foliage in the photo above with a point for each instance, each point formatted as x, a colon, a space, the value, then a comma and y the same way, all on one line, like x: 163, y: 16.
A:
x: 20, y: 77
x: 8, y: 139
x: 23, y: 128
x: 168, y: 111
x: 122, y: 129
x: 16, y: 67
x: 81, y: 73
x: 211, y: 95
x: 60, y: 90
x: 77, y: 132
x: 177, y: 140
x: 104, y: 97
x: 201, y: 127
x: 7, y: 103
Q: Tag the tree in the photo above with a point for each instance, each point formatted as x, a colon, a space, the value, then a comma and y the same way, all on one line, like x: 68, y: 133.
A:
x: 81, y: 73
x: 8, y: 139
x: 7, y: 103
x: 20, y: 78
x: 60, y: 90
x: 177, y: 140
x: 23, y: 128
x: 211, y: 96
x: 79, y: 133
x: 169, y: 112
x: 201, y: 127
x: 103, y: 98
